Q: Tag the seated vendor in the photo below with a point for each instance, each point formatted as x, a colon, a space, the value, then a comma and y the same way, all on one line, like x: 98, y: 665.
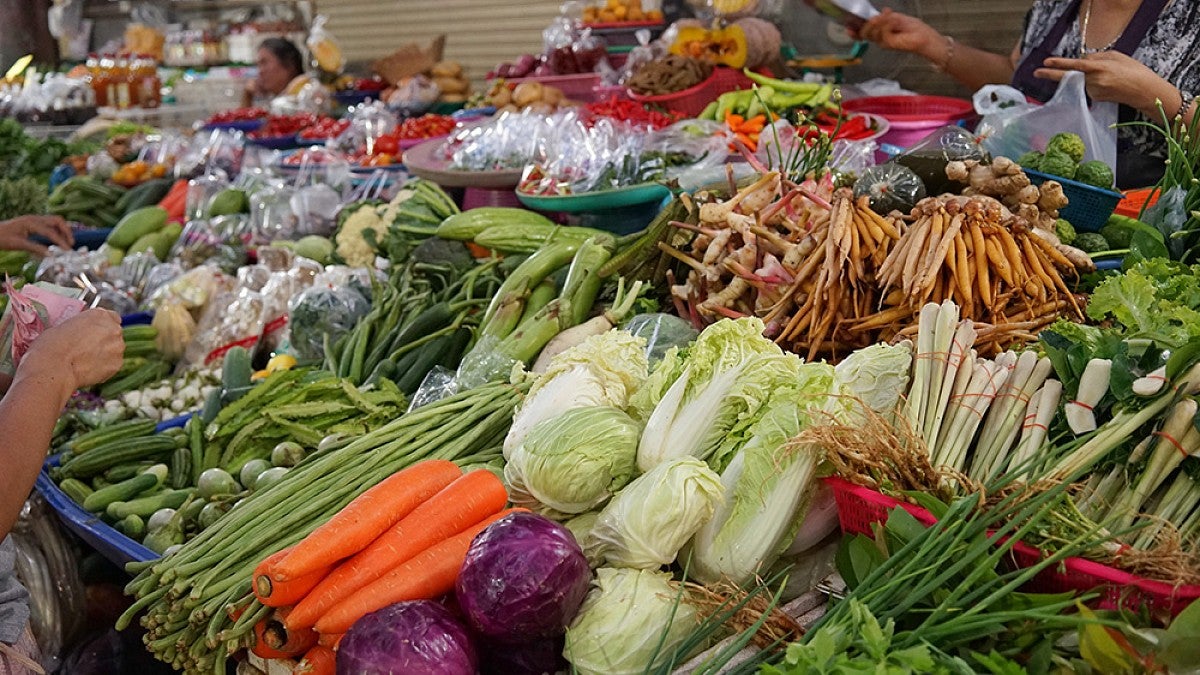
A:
x: 280, y: 70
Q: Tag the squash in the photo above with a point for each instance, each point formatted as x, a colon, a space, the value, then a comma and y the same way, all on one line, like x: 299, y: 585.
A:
x: 722, y: 46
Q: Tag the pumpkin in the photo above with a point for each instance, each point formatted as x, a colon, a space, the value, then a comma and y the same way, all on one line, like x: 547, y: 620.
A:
x: 746, y: 43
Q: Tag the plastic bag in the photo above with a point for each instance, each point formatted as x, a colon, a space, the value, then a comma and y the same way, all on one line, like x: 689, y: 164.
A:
x: 326, y: 53
x: 216, y: 153
x: 220, y: 241
x: 890, y: 187
x: 929, y: 156
x: 1014, y: 130
x: 322, y: 314
x: 853, y: 156
x: 661, y: 332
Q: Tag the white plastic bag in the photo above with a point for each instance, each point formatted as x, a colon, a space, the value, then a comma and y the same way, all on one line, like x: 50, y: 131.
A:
x: 1014, y: 130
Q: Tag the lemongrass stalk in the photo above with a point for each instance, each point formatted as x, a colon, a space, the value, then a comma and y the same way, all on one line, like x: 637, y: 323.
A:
x: 960, y: 347
x: 1176, y: 440
x: 987, y: 380
x: 962, y: 380
x: 982, y: 457
x: 914, y: 408
x: 1178, y: 500
x: 1037, y: 423
x: 1031, y: 373
x: 939, y: 378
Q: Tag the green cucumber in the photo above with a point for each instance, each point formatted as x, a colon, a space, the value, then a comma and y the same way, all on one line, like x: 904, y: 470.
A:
x: 120, y: 452
x: 132, y: 526
x: 146, y: 506
x: 99, y: 500
x: 236, y: 370
x: 76, y: 489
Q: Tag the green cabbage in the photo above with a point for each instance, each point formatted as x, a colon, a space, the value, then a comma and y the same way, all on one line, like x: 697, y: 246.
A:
x: 710, y: 393
x: 628, y: 624
x: 603, y: 370
x: 876, y: 375
x: 647, y: 523
x: 574, y: 462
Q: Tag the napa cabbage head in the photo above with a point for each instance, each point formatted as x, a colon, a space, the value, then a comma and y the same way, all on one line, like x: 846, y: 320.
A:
x: 629, y: 624
x: 877, y: 376
x: 693, y: 414
x: 769, y: 479
x: 603, y: 370
x: 574, y: 462
x: 647, y: 523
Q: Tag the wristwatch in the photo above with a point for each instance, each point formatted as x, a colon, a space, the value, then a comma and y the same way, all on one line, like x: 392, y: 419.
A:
x: 1186, y: 98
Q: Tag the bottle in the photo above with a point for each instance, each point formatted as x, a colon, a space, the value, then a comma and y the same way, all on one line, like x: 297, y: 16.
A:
x: 93, y: 69
x: 148, y: 84
x: 119, y: 95
x: 102, y: 82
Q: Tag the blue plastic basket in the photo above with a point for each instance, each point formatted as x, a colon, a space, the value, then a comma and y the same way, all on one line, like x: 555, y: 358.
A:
x: 108, y: 542
x: 1088, y: 207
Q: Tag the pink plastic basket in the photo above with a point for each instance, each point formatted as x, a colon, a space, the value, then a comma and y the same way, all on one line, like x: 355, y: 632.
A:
x: 693, y: 100
x: 913, y: 117
x: 860, y: 507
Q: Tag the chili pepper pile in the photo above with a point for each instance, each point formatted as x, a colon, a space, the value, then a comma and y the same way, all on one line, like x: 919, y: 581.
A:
x: 284, y: 125
x: 850, y: 127
x: 633, y: 113
x: 425, y: 126
x: 325, y: 128
x: 237, y: 115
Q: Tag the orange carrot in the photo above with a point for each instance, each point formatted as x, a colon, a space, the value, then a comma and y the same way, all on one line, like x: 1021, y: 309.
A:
x: 175, y: 201
x: 331, y: 641
x: 272, y: 640
x: 319, y: 660
x: 367, y: 517
x: 462, y: 504
x: 273, y: 592
x: 424, y: 577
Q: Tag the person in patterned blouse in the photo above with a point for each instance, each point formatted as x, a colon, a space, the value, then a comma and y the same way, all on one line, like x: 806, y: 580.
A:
x: 1138, y: 54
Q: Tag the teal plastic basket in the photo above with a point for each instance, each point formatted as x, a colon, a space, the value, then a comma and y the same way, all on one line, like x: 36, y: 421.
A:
x: 1088, y: 207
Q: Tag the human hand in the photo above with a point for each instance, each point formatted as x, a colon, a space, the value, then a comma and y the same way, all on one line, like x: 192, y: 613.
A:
x: 15, y: 234
x: 84, y: 350
x: 1113, y: 76
x: 900, y: 32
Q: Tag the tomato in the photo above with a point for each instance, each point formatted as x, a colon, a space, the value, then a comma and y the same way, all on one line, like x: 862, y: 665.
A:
x: 386, y: 145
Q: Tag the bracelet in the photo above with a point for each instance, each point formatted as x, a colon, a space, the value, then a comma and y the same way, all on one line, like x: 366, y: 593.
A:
x: 1186, y: 98
x: 945, y: 64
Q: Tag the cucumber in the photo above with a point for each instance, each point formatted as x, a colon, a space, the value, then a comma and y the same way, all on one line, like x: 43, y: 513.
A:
x: 236, y: 370
x: 429, y: 355
x: 469, y: 224
x: 126, y: 471
x: 99, y: 500
x: 132, y: 526
x: 181, y: 466
x: 113, y: 432
x: 76, y: 489
x: 120, y: 452
x: 139, y: 332
x: 146, y: 506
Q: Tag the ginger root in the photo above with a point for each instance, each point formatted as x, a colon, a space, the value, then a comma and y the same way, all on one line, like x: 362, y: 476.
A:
x: 1000, y: 179
x: 1052, y: 198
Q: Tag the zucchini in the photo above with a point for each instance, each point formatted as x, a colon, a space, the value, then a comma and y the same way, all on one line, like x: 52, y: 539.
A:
x: 113, y: 432
x: 147, y: 505
x: 467, y: 225
x: 76, y: 489
x: 120, y: 452
x: 99, y: 500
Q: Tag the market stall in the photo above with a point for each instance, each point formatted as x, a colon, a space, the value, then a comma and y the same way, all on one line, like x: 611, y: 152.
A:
x: 639, y: 360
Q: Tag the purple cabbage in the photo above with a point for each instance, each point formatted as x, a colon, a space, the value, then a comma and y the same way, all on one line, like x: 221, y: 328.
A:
x: 541, y: 657
x: 419, y: 637
x: 524, y: 578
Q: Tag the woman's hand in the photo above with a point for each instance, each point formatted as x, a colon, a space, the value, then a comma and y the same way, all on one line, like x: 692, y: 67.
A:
x: 15, y: 234
x: 1113, y: 76
x: 82, y: 351
x: 900, y: 32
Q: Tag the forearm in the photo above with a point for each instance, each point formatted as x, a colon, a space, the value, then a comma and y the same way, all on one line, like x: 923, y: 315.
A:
x: 971, y: 67
x: 27, y: 415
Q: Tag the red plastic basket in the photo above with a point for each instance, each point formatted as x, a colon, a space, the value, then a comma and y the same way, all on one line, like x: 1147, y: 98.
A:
x: 860, y: 507
x: 693, y: 100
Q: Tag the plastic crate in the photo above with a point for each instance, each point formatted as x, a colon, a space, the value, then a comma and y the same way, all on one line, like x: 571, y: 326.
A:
x: 1131, y: 204
x: 912, y: 118
x: 1088, y: 207
x: 114, y: 546
x: 693, y: 100
x: 859, y: 508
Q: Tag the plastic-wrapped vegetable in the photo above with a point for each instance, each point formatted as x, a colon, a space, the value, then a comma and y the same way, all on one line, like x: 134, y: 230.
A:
x: 661, y: 332
x: 324, y: 313
x: 929, y: 157
x: 890, y: 187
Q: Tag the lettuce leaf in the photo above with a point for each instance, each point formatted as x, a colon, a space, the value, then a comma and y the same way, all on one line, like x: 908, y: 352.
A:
x: 1155, y: 299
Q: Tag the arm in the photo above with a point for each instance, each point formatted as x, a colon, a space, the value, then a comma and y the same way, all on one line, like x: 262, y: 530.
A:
x: 15, y: 233
x: 971, y: 67
x: 84, y: 350
x: 1113, y: 76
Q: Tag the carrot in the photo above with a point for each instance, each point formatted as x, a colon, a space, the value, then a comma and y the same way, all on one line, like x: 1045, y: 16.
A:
x: 175, y: 201
x: 464, y: 503
x: 426, y: 576
x: 272, y: 592
x: 319, y: 660
x: 331, y: 641
x: 272, y: 640
x: 367, y: 517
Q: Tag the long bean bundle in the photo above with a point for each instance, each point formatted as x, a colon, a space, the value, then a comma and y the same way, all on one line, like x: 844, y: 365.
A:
x: 198, y: 602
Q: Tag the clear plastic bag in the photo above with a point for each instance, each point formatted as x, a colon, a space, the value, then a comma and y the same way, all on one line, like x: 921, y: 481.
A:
x: 661, y: 332
x: 890, y: 187
x: 929, y: 156
x: 218, y: 152
x: 1016, y: 129
x: 220, y: 241
x: 320, y: 314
